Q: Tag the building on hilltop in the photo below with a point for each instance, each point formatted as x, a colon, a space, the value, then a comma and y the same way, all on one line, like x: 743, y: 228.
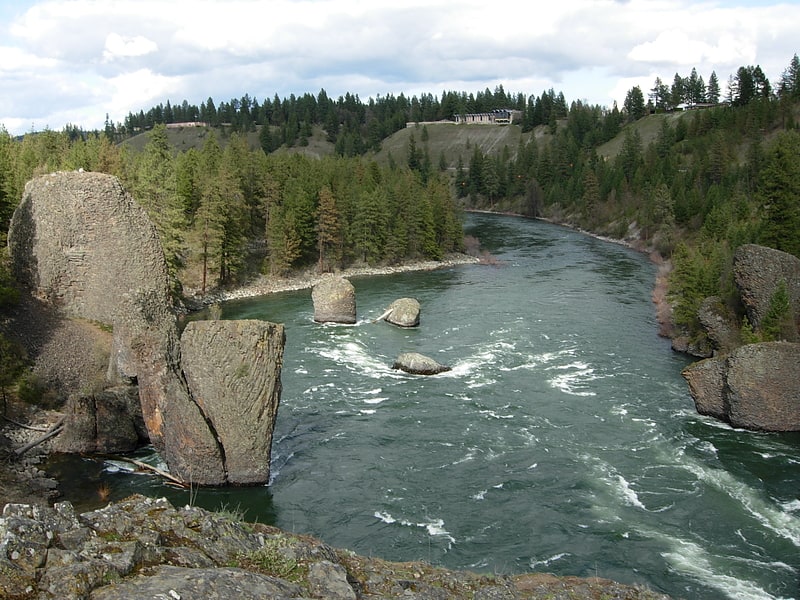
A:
x: 498, y: 116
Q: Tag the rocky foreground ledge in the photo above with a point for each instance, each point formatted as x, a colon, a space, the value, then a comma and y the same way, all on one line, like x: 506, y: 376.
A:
x: 143, y: 548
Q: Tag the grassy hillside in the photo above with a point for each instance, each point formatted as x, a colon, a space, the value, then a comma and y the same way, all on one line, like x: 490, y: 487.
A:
x: 452, y: 140
x: 648, y: 128
x: 184, y: 138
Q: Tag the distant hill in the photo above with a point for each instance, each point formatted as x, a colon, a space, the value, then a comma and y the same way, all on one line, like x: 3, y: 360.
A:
x: 450, y: 139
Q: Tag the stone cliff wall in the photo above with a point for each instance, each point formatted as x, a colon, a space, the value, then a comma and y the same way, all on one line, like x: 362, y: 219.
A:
x: 753, y: 386
x: 79, y: 240
x: 82, y: 245
x: 233, y: 370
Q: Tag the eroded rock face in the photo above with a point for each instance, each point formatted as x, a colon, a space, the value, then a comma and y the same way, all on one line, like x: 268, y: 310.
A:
x: 762, y: 387
x: 706, y: 380
x: 720, y: 325
x: 80, y: 242
x: 403, y: 312
x: 757, y: 273
x: 418, y: 364
x: 750, y: 387
x: 334, y: 301
x: 233, y: 369
x: 106, y: 421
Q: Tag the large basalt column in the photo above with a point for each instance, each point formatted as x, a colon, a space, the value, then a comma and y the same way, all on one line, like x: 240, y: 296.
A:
x: 233, y: 369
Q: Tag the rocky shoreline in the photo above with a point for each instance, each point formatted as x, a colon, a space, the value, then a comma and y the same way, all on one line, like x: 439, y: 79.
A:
x: 142, y: 548
x: 264, y: 285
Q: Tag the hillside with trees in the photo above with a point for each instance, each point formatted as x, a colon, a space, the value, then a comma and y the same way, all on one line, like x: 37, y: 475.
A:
x: 243, y: 187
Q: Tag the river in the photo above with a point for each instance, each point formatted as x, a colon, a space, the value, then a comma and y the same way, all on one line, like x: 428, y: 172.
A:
x: 563, y: 439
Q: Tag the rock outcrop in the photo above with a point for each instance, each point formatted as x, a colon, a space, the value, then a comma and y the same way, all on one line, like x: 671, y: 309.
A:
x: 418, y: 364
x: 720, y: 325
x: 758, y: 271
x: 750, y: 387
x: 143, y: 548
x: 334, y: 301
x: 80, y: 243
x: 403, y: 312
x: 233, y: 369
x: 105, y: 422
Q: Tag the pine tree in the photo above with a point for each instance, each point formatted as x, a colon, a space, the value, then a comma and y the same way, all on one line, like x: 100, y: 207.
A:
x: 780, y: 190
x: 790, y: 80
x: 328, y: 227
x: 155, y: 188
x: 634, y: 104
x: 712, y: 89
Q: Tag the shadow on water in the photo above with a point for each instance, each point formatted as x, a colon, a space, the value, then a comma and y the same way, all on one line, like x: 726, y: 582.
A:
x: 91, y: 483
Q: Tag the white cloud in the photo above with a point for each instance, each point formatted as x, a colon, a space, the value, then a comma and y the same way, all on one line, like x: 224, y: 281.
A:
x: 126, y: 55
x: 131, y: 92
x: 118, y: 46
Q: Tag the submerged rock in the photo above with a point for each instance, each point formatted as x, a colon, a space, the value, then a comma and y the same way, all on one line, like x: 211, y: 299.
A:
x: 418, y: 364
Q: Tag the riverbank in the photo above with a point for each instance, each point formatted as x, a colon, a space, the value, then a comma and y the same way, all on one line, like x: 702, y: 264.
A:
x: 264, y: 285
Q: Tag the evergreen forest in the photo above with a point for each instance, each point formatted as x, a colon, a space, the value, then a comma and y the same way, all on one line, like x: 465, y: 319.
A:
x: 687, y: 170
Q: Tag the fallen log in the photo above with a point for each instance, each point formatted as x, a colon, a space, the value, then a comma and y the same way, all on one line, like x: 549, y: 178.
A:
x: 157, y: 471
x: 23, y: 425
x: 54, y: 430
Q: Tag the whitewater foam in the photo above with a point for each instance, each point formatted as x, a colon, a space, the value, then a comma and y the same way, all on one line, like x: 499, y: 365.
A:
x: 785, y: 524
x: 547, y: 561
x: 693, y: 561
x: 434, y: 527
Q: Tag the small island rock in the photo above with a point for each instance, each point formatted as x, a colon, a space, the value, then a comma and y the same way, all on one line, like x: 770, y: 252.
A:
x: 418, y: 364
x: 334, y: 301
x: 403, y: 312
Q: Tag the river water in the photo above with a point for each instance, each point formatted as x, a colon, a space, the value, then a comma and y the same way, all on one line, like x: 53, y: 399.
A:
x: 563, y: 440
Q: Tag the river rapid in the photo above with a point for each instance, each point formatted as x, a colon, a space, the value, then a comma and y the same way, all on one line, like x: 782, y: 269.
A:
x: 563, y: 440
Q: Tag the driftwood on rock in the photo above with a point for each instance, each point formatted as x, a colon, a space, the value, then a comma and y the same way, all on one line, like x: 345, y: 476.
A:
x: 403, y: 312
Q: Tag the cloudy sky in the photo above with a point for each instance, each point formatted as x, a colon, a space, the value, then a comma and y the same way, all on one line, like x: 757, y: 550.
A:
x: 74, y: 61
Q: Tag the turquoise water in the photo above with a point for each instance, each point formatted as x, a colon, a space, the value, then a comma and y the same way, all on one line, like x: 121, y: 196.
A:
x: 563, y: 440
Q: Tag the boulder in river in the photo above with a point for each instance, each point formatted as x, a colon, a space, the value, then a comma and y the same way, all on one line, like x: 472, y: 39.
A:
x: 334, y: 301
x: 403, y: 312
x: 106, y: 421
x: 418, y: 364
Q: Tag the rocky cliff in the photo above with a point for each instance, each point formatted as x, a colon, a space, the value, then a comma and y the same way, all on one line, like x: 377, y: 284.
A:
x: 80, y: 244
x: 233, y: 369
x: 753, y: 386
